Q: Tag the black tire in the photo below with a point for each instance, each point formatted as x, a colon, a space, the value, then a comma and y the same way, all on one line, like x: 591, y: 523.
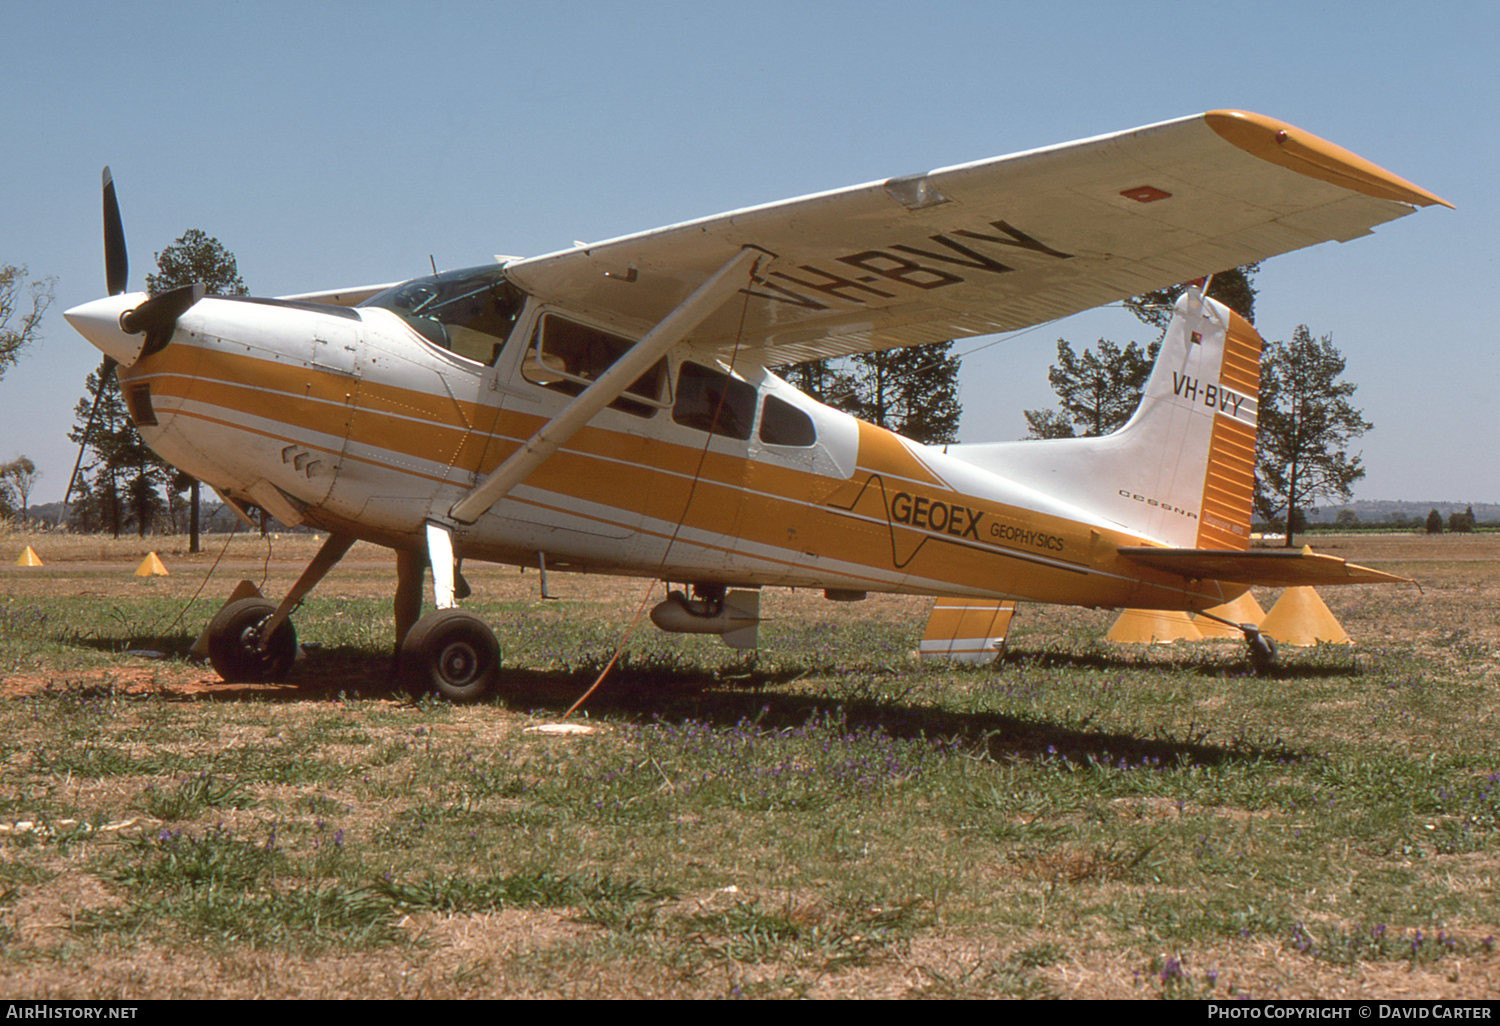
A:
x: 1262, y: 652
x: 234, y: 644
x: 453, y: 653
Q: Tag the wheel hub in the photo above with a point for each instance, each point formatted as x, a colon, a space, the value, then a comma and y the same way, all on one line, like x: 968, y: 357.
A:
x: 458, y: 663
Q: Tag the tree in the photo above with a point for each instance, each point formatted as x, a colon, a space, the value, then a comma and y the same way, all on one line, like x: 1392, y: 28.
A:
x: 1048, y: 424
x: 912, y: 391
x: 1461, y: 523
x: 1235, y: 288
x: 196, y: 257
x: 1434, y: 522
x: 102, y: 429
x: 1098, y: 391
x: 17, y: 480
x: 25, y: 302
x: 1306, y: 425
x: 127, y: 473
x: 817, y: 378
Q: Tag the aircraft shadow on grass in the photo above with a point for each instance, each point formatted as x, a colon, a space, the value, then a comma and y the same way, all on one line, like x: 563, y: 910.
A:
x: 1190, y: 661
x: 733, y: 696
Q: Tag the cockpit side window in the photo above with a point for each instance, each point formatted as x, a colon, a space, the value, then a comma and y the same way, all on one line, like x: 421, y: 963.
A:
x: 567, y: 356
x: 469, y: 312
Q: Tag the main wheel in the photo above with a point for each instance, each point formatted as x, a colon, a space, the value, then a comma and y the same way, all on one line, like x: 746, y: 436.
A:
x: 453, y: 653
x: 234, y: 648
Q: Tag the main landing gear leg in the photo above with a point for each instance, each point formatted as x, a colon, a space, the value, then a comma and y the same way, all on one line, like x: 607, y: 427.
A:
x: 407, y: 605
x: 1262, y: 647
x: 448, y: 651
x: 249, y: 641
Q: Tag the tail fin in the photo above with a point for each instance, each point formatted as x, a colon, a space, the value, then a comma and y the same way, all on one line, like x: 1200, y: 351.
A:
x: 1181, y: 469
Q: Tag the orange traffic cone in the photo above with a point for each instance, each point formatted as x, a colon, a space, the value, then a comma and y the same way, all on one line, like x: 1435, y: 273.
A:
x: 29, y: 558
x: 151, y: 566
x: 1242, y: 610
x: 1153, y: 626
x: 1300, y: 617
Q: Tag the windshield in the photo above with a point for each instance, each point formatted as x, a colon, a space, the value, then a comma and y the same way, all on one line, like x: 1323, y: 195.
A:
x: 469, y: 312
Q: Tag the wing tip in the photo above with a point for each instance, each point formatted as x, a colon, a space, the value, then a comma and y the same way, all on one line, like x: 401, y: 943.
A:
x: 1290, y: 147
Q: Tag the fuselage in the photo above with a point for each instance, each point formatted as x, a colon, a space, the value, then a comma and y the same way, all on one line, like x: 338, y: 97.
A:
x: 372, y: 421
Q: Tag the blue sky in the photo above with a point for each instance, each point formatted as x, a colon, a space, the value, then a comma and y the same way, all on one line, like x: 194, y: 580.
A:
x: 335, y: 144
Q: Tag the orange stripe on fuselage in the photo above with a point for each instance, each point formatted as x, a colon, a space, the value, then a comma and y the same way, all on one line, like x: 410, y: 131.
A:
x: 788, y: 517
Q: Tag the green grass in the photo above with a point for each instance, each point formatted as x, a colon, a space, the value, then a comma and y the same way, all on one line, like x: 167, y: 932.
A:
x: 830, y: 818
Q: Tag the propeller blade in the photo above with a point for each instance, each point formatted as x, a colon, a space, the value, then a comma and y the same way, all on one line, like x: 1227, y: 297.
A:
x: 157, y: 316
x: 116, y: 261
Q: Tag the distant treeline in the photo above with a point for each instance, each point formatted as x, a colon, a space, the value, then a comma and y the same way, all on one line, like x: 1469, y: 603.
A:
x: 1347, y: 521
x: 1416, y: 527
x: 215, y: 518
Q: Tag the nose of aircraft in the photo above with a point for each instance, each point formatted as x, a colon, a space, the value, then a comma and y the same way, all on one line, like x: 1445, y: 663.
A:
x: 99, y: 322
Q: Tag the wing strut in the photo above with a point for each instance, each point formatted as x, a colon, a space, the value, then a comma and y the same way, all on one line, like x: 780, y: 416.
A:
x: 555, y: 433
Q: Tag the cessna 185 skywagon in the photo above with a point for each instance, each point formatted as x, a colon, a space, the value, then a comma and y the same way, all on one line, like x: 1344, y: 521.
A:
x: 608, y: 408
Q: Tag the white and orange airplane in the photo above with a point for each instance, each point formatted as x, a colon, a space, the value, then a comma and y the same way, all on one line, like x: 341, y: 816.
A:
x: 609, y: 408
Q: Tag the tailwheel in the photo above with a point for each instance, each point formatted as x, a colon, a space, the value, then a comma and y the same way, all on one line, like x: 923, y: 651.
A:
x: 1262, y: 649
x: 234, y: 644
x: 453, y: 653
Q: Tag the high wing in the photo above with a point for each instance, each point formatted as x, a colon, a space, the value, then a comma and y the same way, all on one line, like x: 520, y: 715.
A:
x: 1270, y: 568
x: 991, y: 246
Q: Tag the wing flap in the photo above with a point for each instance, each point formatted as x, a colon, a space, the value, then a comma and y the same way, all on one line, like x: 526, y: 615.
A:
x: 1271, y: 568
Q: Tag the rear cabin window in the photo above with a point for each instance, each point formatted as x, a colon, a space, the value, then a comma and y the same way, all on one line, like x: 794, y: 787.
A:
x: 711, y: 400
x: 568, y: 357
x: 781, y: 423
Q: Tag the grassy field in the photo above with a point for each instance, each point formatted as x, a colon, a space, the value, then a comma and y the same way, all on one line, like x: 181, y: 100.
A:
x: 831, y: 819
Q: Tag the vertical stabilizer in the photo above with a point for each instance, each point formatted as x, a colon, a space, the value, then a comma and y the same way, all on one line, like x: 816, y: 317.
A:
x: 1181, y: 470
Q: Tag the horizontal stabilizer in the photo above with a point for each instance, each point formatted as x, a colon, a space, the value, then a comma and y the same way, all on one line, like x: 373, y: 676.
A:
x: 1270, y: 568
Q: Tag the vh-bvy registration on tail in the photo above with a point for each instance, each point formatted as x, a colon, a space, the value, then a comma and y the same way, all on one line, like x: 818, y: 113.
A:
x: 608, y: 408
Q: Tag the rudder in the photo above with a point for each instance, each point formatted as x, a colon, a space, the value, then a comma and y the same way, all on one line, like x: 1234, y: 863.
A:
x: 1181, y: 470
